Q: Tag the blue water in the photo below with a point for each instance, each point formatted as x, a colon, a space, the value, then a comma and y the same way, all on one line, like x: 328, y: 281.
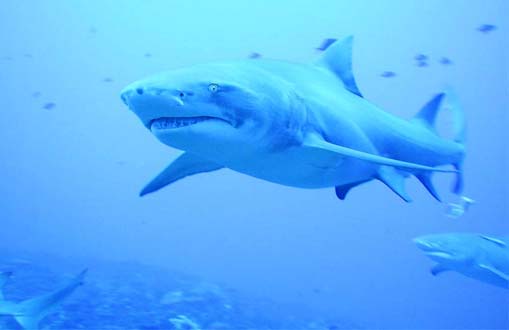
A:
x: 73, y: 159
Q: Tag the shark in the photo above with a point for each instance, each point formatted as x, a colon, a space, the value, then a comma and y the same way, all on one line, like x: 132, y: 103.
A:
x: 481, y: 257
x: 304, y: 125
x: 29, y: 313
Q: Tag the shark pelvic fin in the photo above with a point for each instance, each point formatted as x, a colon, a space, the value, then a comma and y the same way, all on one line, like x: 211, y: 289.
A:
x: 425, y: 179
x: 342, y: 191
x: 395, y: 180
x: 427, y: 115
x: 185, y: 165
x: 338, y: 58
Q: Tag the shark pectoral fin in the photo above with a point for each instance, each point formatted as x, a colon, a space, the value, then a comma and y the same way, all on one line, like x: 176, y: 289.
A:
x: 395, y: 180
x: 496, y: 272
x: 497, y: 241
x: 438, y: 269
x: 185, y: 165
x: 342, y: 191
x: 316, y: 141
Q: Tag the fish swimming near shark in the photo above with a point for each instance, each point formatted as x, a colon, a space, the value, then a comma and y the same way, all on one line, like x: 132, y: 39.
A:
x: 301, y: 125
x: 29, y: 313
x: 481, y: 257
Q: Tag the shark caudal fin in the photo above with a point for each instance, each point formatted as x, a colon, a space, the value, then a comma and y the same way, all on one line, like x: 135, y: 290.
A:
x: 30, y: 312
x: 426, y: 117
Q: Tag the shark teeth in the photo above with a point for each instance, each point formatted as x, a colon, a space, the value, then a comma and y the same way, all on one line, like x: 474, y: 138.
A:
x: 176, y: 122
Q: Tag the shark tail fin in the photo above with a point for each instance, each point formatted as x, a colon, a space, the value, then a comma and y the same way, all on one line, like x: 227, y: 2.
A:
x: 459, y: 136
x: 426, y: 117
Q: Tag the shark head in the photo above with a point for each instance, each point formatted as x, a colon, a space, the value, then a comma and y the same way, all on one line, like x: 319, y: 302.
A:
x: 482, y: 257
x: 207, y: 107
x: 451, y: 250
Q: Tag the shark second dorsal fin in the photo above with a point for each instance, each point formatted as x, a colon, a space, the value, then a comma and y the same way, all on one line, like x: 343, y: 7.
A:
x: 338, y: 59
x: 427, y: 115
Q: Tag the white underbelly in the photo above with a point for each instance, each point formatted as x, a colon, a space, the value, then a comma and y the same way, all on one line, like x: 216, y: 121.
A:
x: 300, y: 167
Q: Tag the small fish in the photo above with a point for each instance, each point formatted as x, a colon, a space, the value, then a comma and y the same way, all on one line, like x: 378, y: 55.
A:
x: 486, y: 28
x: 421, y: 57
x: 325, y: 44
x: 422, y: 64
x: 255, y: 55
x: 92, y: 30
x: 147, y: 55
x: 27, y: 55
x: 7, y: 58
x: 36, y: 94
x: 445, y: 61
x: 388, y: 74
x: 107, y: 80
x: 49, y: 106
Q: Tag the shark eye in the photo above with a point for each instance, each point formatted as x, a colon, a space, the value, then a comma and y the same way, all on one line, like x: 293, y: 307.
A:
x: 213, y: 88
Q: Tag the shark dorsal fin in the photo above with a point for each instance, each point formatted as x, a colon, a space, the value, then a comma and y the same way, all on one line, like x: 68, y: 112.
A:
x: 338, y: 59
x: 497, y: 241
x: 427, y: 115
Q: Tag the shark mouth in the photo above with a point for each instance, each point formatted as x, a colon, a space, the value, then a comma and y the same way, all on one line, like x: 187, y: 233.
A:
x: 178, y: 122
x: 439, y: 254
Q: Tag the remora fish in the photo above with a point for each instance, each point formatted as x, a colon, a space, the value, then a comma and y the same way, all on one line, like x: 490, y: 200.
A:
x: 30, y: 312
x: 301, y: 125
x: 484, y: 258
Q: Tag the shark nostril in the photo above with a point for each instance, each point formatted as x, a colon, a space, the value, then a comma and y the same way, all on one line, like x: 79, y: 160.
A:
x: 124, y: 99
x: 139, y: 91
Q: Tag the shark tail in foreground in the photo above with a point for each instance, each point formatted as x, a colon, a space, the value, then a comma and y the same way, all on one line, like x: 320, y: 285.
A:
x: 427, y: 116
x: 30, y: 312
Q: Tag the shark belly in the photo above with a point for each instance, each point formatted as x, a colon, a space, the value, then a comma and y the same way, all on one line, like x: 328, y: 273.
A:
x: 297, y: 166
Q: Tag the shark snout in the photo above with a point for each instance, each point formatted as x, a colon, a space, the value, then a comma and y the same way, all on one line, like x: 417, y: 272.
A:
x: 127, y: 93
x: 150, y: 103
x: 421, y: 243
x: 425, y: 244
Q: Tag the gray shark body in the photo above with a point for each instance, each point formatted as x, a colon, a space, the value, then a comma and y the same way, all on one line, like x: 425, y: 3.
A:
x: 484, y: 258
x: 30, y: 312
x: 301, y: 125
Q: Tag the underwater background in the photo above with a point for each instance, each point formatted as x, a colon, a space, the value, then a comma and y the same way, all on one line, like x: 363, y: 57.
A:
x: 242, y: 252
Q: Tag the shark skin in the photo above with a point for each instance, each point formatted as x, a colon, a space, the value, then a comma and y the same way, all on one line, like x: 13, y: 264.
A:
x: 481, y: 257
x: 300, y: 125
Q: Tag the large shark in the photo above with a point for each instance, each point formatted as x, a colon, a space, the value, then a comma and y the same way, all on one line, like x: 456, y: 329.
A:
x: 484, y: 258
x: 29, y: 313
x: 301, y: 125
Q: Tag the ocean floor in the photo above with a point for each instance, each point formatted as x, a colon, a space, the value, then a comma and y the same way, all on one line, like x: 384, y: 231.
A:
x: 125, y: 295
